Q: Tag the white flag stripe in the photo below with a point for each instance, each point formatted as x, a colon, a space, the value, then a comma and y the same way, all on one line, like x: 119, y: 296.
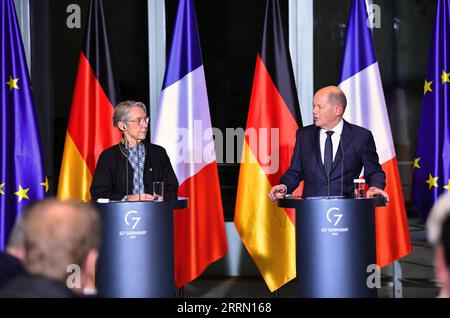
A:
x: 183, y: 125
x: 366, y: 107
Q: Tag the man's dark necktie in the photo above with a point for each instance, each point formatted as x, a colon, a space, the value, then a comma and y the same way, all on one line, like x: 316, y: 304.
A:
x: 328, y: 157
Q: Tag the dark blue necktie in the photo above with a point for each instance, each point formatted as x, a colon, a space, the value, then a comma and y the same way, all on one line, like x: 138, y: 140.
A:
x: 328, y: 157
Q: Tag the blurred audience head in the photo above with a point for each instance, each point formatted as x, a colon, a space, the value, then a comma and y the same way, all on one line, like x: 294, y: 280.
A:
x: 438, y: 229
x: 16, y: 241
x: 60, y: 235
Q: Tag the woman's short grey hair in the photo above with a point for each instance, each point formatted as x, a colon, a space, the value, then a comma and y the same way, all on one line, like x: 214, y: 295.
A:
x: 122, y: 110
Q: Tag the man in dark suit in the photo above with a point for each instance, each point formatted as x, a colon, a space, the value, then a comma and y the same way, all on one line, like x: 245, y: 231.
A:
x: 127, y: 170
x: 330, y: 154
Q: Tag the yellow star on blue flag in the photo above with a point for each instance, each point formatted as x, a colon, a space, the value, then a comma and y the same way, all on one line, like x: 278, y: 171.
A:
x: 432, y: 181
x: 447, y: 187
x: 12, y: 83
x: 22, y: 193
x: 427, y: 87
x: 445, y: 77
x: 45, y: 184
x: 416, y: 163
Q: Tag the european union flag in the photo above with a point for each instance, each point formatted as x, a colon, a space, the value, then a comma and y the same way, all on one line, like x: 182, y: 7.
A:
x: 21, y: 175
x: 432, y: 162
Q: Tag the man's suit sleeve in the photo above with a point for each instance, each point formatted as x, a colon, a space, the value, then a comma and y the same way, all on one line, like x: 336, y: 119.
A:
x: 294, y: 175
x: 373, y: 173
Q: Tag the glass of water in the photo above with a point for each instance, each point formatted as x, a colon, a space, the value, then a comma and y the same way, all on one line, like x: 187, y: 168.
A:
x: 158, y: 191
x: 359, y: 186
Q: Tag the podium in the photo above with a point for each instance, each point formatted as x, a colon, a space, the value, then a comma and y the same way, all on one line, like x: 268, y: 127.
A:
x: 335, y: 244
x: 136, y: 257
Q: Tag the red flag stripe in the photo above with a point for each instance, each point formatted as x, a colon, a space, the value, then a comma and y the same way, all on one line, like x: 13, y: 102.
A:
x: 195, y: 247
x: 391, y: 221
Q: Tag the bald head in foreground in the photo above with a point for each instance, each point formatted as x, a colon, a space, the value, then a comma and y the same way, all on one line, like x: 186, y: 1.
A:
x: 61, y: 249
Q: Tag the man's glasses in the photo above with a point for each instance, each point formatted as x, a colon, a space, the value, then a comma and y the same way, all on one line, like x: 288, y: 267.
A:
x: 140, y: 120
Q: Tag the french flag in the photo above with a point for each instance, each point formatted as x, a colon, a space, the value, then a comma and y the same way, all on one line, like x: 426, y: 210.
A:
x: 183, y: 128
x: 361, y: 83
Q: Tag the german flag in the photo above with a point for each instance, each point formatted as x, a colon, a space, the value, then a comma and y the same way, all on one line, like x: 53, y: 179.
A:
x: 267, y: 231
x: 90, y: 129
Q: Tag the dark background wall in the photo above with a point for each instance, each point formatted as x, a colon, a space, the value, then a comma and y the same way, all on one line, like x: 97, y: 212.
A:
x: 56, y: 50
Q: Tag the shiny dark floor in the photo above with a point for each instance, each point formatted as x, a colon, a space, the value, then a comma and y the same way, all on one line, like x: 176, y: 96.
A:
x: 416, y: 279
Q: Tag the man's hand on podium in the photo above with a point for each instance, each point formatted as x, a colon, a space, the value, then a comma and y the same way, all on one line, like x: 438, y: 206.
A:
x: 277, y: 192
x: 374, y: 191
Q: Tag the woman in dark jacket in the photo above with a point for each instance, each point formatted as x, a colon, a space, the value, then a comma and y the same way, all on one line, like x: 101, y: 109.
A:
x: 127, y: 170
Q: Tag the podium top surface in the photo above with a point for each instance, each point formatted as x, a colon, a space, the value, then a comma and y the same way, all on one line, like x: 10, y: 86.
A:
x: 293, y: 202
x: 181, y: 203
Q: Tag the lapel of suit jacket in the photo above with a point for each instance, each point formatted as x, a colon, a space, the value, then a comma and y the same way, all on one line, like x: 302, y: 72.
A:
x: 316, y: 148
x: 346, y: 137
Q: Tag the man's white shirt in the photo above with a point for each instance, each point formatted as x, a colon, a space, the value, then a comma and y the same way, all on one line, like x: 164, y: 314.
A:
x: 335, y: 139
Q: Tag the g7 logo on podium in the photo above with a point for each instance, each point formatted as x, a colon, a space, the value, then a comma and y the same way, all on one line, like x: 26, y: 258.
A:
x: 336, y: 216
x: 136, y: 219
x: 132, y: 219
